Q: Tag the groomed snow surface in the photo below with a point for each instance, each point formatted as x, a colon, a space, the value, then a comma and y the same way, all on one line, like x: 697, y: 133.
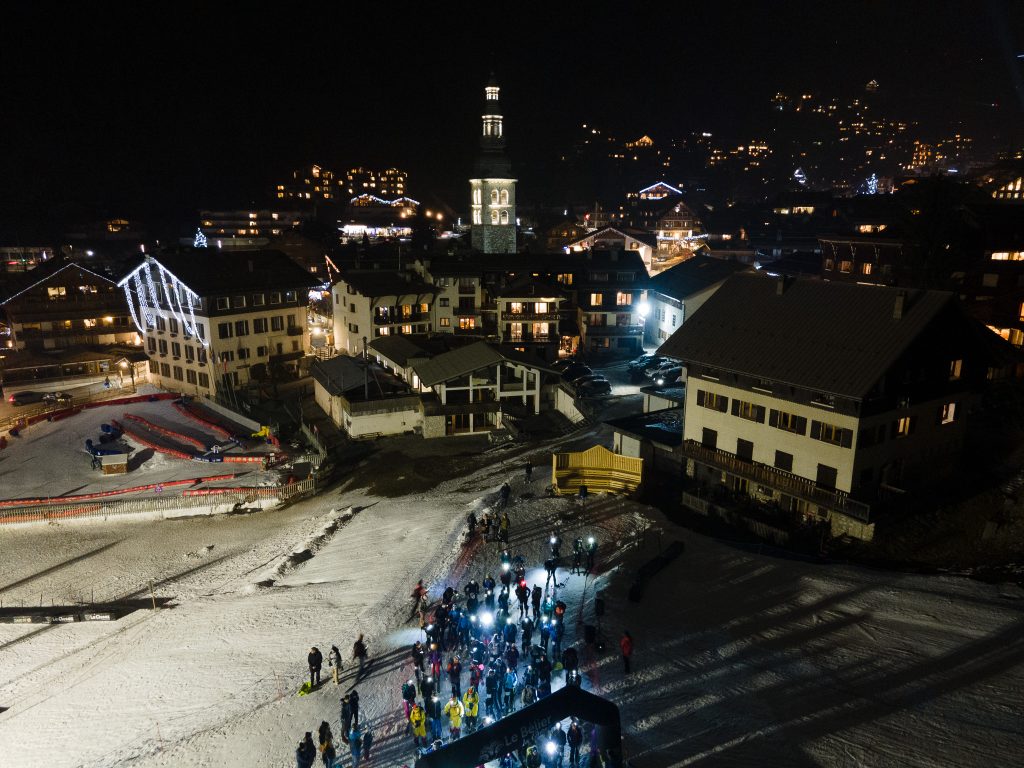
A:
x: 741, y: 658
x: 49, y: 459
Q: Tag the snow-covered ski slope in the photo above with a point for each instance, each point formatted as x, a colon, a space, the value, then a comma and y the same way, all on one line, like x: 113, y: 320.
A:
x: 741, y: 658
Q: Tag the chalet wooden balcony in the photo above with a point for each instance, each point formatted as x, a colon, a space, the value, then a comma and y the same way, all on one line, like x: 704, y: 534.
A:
x: 787, y: 482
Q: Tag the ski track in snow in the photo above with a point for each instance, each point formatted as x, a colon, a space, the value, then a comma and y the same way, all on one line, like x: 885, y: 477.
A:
x: 741, y: 658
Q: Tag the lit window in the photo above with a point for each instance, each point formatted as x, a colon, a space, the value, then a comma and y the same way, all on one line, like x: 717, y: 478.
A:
x: 596, y: 299
x: 954, y: 369
x: 623, y: 299
x: 494, y: 197
x: 948, y: 415
x: 904, y: 426
x: 504, y: 197
x: 865, y: 268
x: 504, y: 217
x: 494, y: 217
x: 1008, y: 256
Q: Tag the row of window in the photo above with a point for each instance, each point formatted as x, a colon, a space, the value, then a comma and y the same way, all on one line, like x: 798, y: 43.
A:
x: 622, y: 299
x: 161, y: 346
x: 259, y: 325
x: 171, y: 323
x: 60, y: 292
x: 820, y: 430
x: 661, y: 315
x: 254, y: 300
x: 496, y: 217
x: 788, y: 422
x: 199, y: 355
x: 497, y: 198
x: 180, y: 374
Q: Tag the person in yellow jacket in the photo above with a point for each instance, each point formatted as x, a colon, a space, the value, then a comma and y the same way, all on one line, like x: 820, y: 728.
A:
x: 418, y: 720
x: 454, y: 711
x: 471, y: 705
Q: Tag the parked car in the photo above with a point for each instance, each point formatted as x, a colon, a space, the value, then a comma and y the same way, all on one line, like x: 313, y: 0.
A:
x: 57, y: 397
x: 575, y: 380
x: 666, y: 377
x: 594, y: 388
x: 575, y: 371
x: 645, y: 360
x: 25, y: 398
x: 656, y: 371
x: 565, y: 362
x: 642, y: 367
x: 588, y: 378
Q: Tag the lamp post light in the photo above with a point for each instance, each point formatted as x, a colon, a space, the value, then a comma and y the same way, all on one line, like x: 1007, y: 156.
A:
x: 131, y: 369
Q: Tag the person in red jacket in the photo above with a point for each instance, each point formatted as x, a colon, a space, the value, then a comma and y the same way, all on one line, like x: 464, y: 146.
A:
x: 626, y: 644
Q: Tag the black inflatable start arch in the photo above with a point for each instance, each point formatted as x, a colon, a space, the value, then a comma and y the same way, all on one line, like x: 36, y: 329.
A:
x: 521, y: 729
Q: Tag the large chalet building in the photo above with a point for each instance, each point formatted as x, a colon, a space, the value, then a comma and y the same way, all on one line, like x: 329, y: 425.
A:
x: 213, y: 322
x: 60, y: 304
x: 825, y: 397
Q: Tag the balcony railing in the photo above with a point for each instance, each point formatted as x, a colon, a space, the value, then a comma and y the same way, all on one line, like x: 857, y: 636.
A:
x: 787, y: 482
x: 614, y: 330
x: 516, y: 338
x: 515, y: 317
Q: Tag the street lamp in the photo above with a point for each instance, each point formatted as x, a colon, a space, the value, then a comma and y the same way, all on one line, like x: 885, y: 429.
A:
x: 131, y: 369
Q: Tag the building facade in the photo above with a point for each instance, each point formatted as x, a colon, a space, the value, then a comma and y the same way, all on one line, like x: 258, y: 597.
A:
x: 493, y: 190
x: 213, y: 325
x: 823, y: 418
x: 60, y: 304
x: 371, y: 304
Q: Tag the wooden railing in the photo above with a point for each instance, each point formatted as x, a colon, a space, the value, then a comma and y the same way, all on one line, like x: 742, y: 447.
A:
x: 787, y: 482
x: 598, y: 469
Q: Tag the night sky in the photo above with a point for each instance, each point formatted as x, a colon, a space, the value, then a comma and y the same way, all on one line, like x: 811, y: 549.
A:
x: 121, y: 111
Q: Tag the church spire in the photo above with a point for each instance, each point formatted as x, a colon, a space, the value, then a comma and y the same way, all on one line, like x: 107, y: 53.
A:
x: 493, y: 191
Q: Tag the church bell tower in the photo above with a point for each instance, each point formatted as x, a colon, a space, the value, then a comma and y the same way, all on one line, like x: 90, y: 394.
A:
x: 493, y: 191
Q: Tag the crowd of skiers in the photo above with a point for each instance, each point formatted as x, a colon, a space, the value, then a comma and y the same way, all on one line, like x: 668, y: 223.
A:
x: 359, y: 739
x: 502, y: 638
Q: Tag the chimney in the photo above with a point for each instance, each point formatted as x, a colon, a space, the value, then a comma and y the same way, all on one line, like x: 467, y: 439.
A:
x: 898, y: 306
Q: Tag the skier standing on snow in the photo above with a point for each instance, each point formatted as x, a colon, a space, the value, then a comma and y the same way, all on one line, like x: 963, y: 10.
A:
x: 626, y: 644
x: 455, y: 712
x: 418, y: 720
x: 574, y: 737
x: 559, y: 739
x: 454, y: 670
x: 417, y: 657
x: 577, y: 555
x: 316, y: 660
x: 529, y: 471
x: 327, y: 751
x: 408, y: 697
x: 305, y: 754
x: 334, y: 660
x: 346, y: 715
x: 471, y: 707
x: 353, y: 699
x: 367, y: 743
x: 503, y: 527
x: 359, y: 654
x: 355, y: 744
x: 535, y: 597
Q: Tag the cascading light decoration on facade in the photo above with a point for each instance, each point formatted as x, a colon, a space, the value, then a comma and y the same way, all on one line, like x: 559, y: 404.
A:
x: 142, y: 295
